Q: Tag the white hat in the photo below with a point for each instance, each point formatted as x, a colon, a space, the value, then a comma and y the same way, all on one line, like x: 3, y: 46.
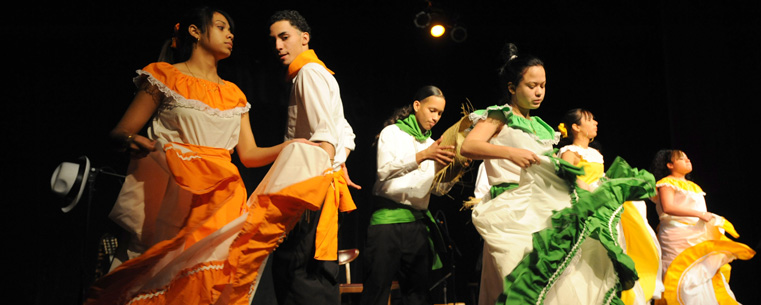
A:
x: 69, y: 181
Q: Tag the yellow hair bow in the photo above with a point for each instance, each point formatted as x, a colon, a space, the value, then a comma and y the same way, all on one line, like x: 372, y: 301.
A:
x: 563, y: 131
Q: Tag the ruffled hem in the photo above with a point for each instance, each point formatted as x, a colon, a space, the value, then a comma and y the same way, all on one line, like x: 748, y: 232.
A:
x: 203, y: 273
x: 224, y: 265
x: 594, y: 215
x: 589, y: 154
x: 514, y: 121
x: 684, y: 186
x: 174, y: 99
x: 642, y: 246
x: 691, y: 257
x: 271, y: 217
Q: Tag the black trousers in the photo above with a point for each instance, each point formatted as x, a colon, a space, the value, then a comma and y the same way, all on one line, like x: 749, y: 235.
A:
x: 396, y: 250
x: 297, y: 277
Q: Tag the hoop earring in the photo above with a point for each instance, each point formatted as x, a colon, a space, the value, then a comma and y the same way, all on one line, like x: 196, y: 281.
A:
x: 586, y: 134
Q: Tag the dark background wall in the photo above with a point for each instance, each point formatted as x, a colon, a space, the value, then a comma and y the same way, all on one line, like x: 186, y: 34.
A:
x: 681, y: 74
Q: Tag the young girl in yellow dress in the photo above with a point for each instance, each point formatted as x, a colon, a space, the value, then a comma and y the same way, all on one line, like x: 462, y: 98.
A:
x: 696, y: 253
x: 578, y: 129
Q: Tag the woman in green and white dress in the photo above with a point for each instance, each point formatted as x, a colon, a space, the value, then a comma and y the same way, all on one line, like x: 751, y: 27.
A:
x: 535, y: 221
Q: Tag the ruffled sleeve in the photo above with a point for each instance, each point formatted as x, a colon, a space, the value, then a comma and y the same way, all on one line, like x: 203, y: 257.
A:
x: 480, y: 115
x: 589, y: 154
x: 680, y: 185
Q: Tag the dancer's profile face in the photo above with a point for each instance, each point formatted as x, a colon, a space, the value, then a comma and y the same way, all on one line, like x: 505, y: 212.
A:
x: 680, y: 164
x: 289, y: 41
x: 429, y: 111
x: 529, y: 93
x: 587, y: 126
x: 219, y: 39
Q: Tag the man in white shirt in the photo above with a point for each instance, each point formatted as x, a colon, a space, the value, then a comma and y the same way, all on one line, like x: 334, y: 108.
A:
x: 304, y: 273
x: 398, y: 236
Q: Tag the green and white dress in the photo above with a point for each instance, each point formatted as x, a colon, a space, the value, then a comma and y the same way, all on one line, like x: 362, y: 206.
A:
x: 536, y: 230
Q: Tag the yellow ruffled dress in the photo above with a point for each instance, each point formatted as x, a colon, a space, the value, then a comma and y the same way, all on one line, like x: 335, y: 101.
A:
x: 696, y: 254
x: 636, y: 236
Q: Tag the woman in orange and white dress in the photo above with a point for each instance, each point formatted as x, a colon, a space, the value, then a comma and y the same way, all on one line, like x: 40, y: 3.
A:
x: 195, y: 236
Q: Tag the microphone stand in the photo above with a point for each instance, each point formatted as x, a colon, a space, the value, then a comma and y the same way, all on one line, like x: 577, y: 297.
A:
x: 451, y: 245
x: 442, y: 280
x: 85, y: 245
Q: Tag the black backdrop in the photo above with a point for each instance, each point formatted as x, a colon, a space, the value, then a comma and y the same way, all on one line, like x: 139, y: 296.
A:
x: 677, y: 75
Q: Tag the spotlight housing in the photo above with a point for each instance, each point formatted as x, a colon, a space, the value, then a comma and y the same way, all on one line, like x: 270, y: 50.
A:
x: 459, y: 33
x: 422, y: 19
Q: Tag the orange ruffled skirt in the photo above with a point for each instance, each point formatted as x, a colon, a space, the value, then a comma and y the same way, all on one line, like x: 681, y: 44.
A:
x: 219, y: 247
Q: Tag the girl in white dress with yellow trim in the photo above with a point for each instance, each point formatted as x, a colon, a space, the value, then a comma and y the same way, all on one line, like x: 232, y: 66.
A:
x: 696, y: 252
x: 578, y: 128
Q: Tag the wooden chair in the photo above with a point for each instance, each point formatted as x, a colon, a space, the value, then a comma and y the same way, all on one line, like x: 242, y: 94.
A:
x: 345, y: 257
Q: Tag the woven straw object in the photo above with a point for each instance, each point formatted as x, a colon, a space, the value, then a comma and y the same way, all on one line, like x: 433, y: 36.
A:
x: 454, y: 136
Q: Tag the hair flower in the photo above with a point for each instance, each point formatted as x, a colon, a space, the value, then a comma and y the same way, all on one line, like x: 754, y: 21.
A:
x: 563, y: 131
x: 174, y: 36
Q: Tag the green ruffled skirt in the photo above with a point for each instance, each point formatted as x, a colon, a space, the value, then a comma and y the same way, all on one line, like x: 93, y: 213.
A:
x: 539, y: 235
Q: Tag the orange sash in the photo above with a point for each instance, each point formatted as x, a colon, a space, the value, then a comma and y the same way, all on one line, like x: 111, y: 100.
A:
x: 200, y: 169
x: 326, y: 239
x: 303, y: 59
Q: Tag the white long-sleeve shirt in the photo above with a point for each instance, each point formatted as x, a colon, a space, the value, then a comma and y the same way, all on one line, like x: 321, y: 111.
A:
x: 315, y: 111
x: 399, y: 177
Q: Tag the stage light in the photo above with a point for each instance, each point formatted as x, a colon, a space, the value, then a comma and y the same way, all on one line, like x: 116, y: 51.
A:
x: 437, y: 21
x: 459, y: 33
x: 437, y: 30
x: 422, y: 19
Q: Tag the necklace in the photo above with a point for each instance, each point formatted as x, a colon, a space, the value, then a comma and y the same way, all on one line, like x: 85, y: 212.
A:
x: 203, y: 83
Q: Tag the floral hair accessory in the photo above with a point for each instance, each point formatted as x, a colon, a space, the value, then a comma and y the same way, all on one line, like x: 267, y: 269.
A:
x: 563, y: 131
x: 174, y: 37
